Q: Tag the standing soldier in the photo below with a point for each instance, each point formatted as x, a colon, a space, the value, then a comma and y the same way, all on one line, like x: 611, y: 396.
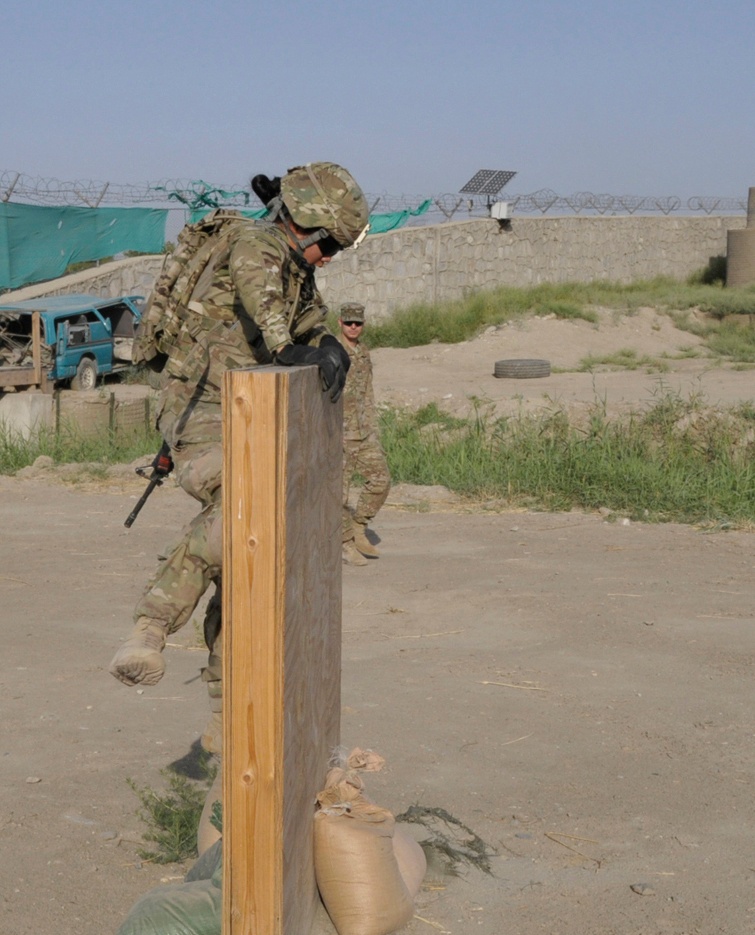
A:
x: 362, y: 451
x: 236, y: 293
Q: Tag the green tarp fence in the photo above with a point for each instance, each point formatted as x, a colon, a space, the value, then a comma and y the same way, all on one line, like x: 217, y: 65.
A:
x: 379, y: 223
x: 39, y: 243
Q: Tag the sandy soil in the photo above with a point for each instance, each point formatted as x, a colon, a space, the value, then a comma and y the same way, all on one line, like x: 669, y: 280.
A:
x: 576, y: 691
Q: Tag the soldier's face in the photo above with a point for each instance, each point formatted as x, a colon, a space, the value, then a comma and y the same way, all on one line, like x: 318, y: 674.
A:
x: 351, y: 330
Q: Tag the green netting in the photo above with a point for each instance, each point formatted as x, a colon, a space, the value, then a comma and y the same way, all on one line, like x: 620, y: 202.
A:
x: 198, y: 195
x: 380, y: 223
x: 205, y: 200
x: 38, y: 243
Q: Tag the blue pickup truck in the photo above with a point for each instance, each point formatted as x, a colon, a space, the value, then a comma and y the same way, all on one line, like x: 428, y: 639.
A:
x: 66, y: 339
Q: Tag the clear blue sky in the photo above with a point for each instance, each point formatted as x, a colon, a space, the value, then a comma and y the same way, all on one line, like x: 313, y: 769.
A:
x: 648, y: 97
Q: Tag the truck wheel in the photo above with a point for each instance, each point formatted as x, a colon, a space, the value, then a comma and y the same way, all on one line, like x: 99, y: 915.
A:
x: 86, y: 375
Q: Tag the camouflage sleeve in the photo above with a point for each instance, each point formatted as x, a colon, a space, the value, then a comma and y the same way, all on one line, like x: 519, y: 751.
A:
x: 370, y: 410
x: 256, y: 265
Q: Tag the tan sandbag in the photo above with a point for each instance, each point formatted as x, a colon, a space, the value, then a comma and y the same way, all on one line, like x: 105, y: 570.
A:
x: 356, y: 868
x: 346, y: 767
x: 207, y: 833
x: 412, y: 863
x: 366, y: 760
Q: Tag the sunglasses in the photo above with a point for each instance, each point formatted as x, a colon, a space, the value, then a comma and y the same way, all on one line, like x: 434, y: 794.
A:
x: 329, y: 246
x: 354, y: 324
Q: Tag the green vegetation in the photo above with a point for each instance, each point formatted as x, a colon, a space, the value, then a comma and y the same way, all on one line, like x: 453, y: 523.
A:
x: 172, y: 817
x: 623, y: 359
x: 451, y: 322
x: 678, y: 460
x: 675, y: 459
x: 69, y: 446
x: 729, y: 337
x: 82, y: 265
x: 714, y: 274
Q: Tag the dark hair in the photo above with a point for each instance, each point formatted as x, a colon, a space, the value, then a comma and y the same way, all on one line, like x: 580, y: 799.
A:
x: 266, y: 189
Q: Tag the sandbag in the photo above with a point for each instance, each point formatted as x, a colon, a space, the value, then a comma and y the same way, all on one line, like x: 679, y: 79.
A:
x: 190, y: 908
x: 180, y: 909
x: 206, y: 864
x: 411, y: 860
x: 356, y: 866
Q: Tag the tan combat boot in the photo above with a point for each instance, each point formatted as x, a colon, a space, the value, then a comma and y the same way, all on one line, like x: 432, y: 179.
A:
x: 212, y: 736
x: 362, y: 542
x: 138, y: 660
x: 351, y: 555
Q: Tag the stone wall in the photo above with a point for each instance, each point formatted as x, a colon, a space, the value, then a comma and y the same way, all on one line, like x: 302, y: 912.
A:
x: 447, y: 261
x: 133, y: 276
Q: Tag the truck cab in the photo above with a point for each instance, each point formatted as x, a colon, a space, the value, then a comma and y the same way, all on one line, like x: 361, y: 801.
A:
x: 66, y: 339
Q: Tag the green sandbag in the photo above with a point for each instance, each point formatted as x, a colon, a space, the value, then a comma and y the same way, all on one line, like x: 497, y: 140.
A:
x: 207, y: 864
x: 181, y: 909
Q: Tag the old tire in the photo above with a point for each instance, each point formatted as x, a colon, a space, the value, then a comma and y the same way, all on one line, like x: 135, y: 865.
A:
x: 522, y: 369
x: 86, y: 375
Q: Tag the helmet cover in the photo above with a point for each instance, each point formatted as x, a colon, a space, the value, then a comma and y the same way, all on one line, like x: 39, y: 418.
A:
x: 323, y: 195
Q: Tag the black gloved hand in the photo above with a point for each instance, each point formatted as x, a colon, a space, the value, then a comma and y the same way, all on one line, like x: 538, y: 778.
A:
x: 328, y: 359
x: 328, y: 340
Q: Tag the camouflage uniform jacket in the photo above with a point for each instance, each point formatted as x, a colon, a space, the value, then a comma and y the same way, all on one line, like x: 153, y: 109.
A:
x: 251, y: 298
x: 359, y: 412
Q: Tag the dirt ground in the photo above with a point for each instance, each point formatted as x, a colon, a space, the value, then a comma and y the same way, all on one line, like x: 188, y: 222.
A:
x: 577, y: 691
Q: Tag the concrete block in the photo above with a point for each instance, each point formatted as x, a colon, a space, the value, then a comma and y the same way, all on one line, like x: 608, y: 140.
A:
x: 24, y: 414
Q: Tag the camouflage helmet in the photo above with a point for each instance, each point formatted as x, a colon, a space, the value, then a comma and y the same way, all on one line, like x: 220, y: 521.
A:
x: 323, y: 195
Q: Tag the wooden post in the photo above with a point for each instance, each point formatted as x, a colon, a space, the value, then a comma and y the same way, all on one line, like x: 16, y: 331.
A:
x: 282, y: 455
x: 37, y: 340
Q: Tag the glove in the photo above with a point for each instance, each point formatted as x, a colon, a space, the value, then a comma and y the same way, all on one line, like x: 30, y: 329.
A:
x: 328, y: 357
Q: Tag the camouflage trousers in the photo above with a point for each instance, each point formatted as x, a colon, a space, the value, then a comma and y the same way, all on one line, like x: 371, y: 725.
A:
x: 193, y: 563
x: 366, y: 457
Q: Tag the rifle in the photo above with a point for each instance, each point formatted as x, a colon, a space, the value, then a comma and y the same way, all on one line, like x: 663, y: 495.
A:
x: 162, y: 465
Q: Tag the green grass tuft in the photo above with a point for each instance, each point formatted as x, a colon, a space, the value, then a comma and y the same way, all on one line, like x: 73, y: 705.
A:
x: 71, y: 446
x: 623, y: 359
x: 172, y: 817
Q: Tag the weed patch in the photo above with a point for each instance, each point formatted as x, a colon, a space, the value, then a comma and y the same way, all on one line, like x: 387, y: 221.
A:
x: 460, y: 320
x: 172, y: 817
x: 677, y: 460
x: 623, y: 359
x: 69, y: 446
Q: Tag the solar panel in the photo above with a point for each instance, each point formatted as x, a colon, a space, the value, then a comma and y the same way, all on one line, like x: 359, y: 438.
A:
x: 487, y: 182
